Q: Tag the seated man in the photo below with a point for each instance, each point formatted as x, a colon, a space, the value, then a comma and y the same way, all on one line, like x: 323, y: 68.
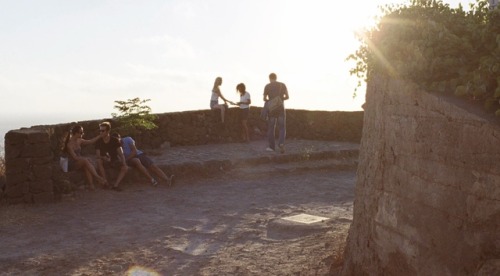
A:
x: 138, y: 159
x: 110, y: 153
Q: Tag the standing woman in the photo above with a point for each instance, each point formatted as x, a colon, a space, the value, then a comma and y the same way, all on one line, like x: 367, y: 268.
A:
x: 244, y: 104
x: 214, y: 100
x: 73, y: 148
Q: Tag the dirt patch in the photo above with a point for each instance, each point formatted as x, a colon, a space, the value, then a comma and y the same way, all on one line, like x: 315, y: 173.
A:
x: 216, y: 226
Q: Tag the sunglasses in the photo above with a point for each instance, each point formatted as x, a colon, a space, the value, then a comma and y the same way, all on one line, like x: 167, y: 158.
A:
x: 102, y: 130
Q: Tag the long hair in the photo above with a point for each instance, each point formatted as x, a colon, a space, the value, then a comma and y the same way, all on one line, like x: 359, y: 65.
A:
x: 75, y: 129
x: 217, y: 83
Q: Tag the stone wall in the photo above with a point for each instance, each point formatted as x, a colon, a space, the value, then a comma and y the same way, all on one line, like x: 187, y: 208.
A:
x: 428, y: 189
x: 29, y: 167
x: 204, y: 127
x: 31, y: 154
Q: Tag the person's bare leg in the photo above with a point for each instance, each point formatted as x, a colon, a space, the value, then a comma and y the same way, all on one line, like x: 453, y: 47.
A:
x: 222, y: 111
x: 82, y: 164
x: 101, y: 171
x: 135, y: 162
x: 121, y: 175
x: 90, y: 180
x: 245, y: 131
x: 158, y: 172
x: 89, y: 167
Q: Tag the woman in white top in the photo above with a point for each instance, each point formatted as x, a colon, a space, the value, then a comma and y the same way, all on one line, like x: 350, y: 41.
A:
x: 244, y: 104
x: 214, y: 100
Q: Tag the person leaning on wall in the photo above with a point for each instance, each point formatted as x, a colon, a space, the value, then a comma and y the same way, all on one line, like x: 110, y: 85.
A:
x: 214, y: 99
x: 139, y: 160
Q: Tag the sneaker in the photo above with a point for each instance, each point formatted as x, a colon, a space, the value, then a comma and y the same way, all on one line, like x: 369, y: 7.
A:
x: 154, y: 182
x: 282, y: 148
x: 269, y: 149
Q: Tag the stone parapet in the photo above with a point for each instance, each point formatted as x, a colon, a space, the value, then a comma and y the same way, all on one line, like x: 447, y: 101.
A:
x: 33, y: 174
x: 29, y: 166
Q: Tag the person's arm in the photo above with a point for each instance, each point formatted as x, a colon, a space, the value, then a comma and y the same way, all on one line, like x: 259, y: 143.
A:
x: 72, y: 153
x: 247, y: 101
x: 91, y: 141
x: 285, y: 93
x: 217, y: 91
x: 98, y: 154
x: 244, y: 102
x: 121, y: 156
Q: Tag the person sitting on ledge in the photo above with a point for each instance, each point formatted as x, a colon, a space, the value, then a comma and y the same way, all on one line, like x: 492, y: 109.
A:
x: 138, y: 159
x: 73, y: 148
x: 214, y: 100
x: 110, y: 154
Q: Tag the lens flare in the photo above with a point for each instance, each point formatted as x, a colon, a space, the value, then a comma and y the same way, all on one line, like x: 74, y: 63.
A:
x: 141, y: 271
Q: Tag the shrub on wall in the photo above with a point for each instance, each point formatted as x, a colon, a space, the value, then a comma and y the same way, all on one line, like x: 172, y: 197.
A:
x: 442, y: 49
x: 134, y: 115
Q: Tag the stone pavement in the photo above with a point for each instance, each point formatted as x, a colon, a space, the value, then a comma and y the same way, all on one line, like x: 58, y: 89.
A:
x: 204, y: 160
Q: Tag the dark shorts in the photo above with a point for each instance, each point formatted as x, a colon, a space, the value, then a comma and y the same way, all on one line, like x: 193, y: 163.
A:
x: 244, y: 113
x: 145, y: 160
x: 71, y: 164
x: 116, y: 164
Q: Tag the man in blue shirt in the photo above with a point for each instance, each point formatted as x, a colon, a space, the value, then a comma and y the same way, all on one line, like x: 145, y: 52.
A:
x: 138, y: 159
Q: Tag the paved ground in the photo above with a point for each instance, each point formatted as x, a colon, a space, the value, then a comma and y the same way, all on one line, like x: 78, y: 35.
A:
x: 226, y: 223
x: 247, y: 151
x: 211, y: 159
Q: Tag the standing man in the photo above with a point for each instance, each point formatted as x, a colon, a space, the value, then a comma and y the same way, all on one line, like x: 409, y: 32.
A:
x: 110, y: 154
x: 272, y: 90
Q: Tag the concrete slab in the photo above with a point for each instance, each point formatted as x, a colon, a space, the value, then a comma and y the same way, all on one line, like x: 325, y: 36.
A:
x: 305, y: 218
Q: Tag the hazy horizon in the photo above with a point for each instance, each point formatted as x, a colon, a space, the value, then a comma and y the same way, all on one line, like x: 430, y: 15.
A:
x: 70, y: 60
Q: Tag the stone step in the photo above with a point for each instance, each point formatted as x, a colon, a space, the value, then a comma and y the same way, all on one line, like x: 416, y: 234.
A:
x: 303, y: 166
x: 344, y: 159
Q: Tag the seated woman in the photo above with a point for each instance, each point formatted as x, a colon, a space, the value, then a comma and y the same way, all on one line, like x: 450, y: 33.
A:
x: 73, y: 147
x: 214, y: 100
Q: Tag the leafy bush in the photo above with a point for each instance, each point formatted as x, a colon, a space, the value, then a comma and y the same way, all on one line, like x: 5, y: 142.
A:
x: 134, y: 116
x: 440, y: 48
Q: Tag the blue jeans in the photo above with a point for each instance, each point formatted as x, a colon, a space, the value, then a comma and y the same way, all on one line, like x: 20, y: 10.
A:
x: 271, y: 125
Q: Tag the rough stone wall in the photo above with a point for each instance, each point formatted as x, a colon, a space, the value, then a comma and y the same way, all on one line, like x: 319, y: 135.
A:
x: 428, y: 189
x: 203, y: 127
x: 33, y: 174
x: 29, y: 166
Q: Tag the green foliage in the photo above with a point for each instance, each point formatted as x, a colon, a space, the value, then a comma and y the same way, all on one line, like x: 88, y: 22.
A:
x: 442, y: 49
x: 2, y: 167
x: 134, y: 116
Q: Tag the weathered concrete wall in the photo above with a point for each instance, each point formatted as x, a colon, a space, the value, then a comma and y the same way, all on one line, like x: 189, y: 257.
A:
x: 428, y: 190
x: 31, y: 154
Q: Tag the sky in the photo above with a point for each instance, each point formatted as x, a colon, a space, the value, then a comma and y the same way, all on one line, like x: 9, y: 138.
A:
x: 64, y: 61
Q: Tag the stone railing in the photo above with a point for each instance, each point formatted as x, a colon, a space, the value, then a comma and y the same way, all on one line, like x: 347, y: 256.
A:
x: 31, y: 154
